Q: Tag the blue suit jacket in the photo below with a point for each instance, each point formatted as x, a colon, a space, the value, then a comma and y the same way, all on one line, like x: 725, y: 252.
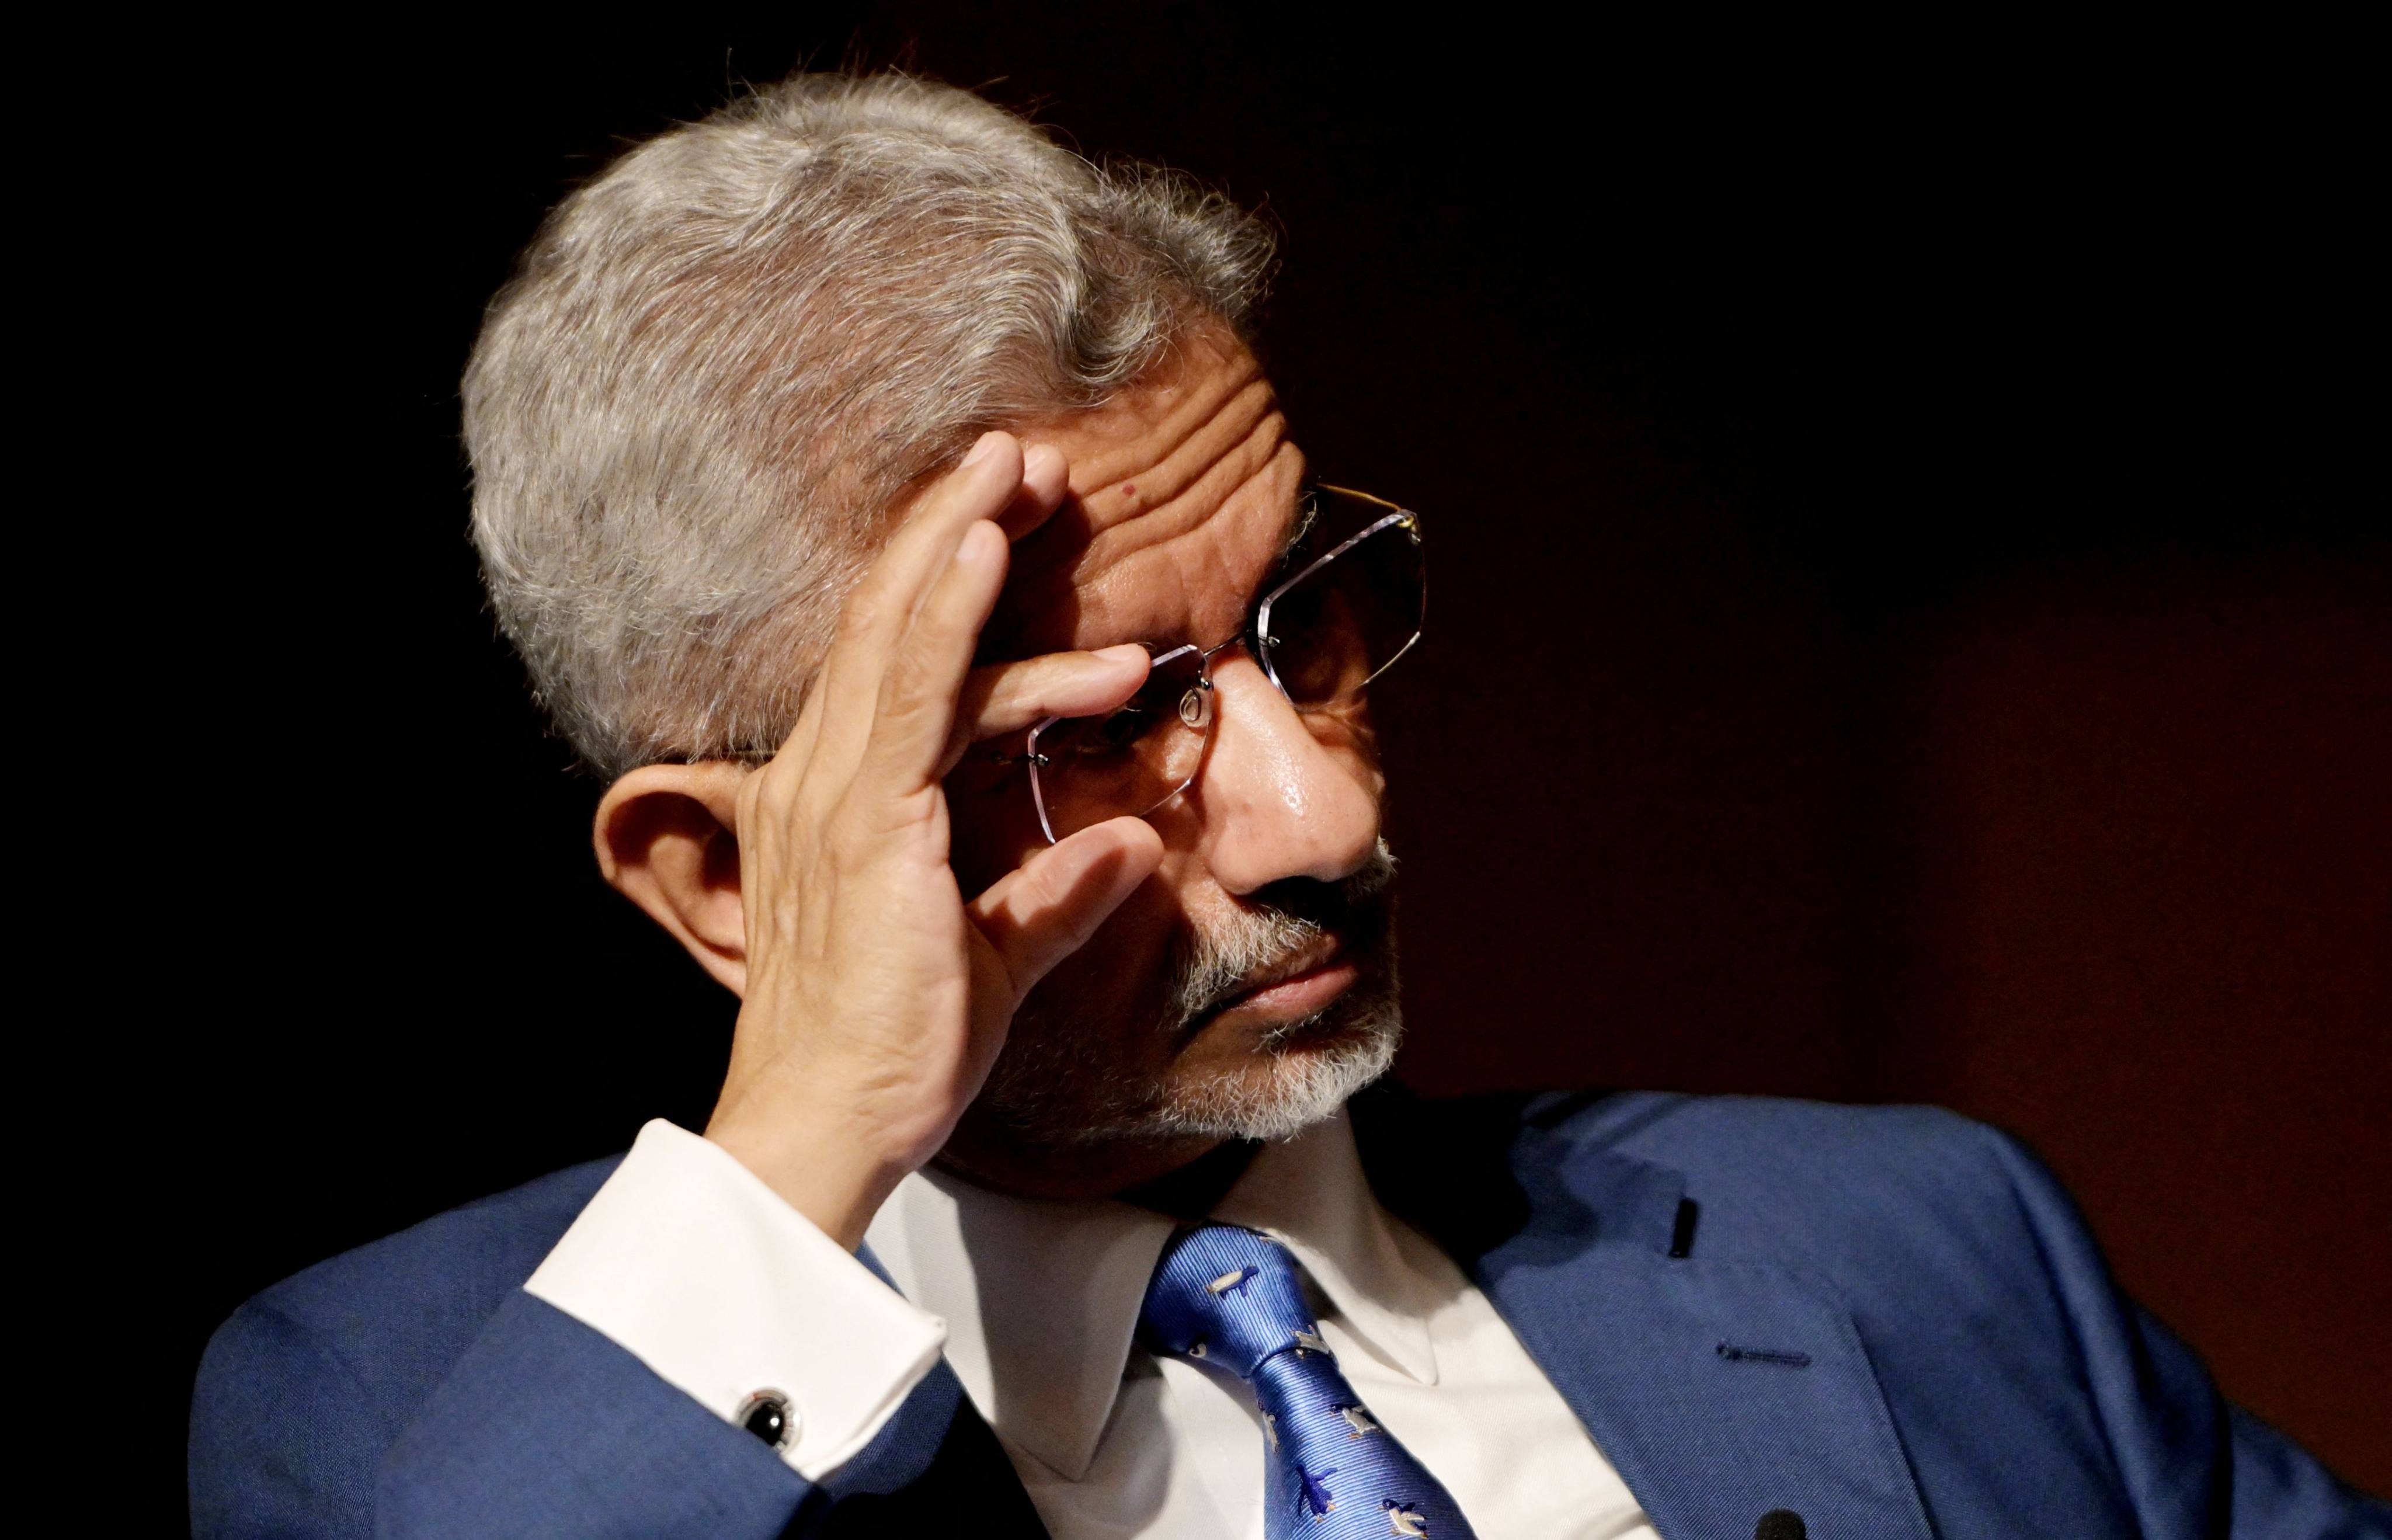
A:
x: 1890, y: 1321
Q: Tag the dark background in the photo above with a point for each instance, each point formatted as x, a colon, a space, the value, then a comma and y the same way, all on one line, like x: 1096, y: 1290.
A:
x: 1912, y: 617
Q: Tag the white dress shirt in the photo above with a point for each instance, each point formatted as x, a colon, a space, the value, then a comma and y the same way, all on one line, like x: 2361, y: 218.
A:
x: 695, y: 1266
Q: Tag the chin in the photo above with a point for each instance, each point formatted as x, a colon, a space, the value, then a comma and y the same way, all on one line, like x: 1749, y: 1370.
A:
x: 1296, y: 1076
x: 1052, y: 1088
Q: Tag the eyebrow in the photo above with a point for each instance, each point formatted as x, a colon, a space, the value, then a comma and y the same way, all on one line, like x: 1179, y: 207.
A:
x: 1307, y: 514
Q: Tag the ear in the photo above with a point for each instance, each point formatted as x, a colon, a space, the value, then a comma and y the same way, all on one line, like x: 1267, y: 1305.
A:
x: 667, y: 837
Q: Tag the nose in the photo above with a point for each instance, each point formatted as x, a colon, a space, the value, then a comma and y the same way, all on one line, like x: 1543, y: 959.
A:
x: 1277, y: 799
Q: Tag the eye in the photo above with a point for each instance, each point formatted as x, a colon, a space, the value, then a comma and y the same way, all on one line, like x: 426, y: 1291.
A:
x: 990, y: 770
x: 1114, y: 732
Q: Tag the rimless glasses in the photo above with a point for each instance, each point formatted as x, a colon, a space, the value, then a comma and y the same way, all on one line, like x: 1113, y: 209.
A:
x: 1353, y: 604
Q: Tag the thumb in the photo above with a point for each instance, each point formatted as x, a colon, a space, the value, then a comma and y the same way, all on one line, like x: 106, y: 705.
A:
x: 1041, y: 913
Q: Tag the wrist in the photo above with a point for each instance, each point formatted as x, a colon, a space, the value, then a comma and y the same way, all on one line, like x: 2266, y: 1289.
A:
x: 829, y: 1176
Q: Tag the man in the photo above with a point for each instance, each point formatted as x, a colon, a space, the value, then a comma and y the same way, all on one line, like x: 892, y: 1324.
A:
x: 890, y: 505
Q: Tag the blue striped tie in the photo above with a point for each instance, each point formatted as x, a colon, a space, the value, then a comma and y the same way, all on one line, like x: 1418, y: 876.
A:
x: 1229, y: 1298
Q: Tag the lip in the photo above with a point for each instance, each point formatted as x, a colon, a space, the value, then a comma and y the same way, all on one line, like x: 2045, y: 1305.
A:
x: 1303, y: 984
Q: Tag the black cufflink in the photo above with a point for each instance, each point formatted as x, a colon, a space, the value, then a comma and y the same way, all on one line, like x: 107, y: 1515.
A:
x: 767, y: 1414
x: 1781, y: 1523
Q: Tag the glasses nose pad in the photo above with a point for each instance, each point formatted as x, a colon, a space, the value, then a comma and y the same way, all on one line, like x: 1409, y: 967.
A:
x: 1196, y: 707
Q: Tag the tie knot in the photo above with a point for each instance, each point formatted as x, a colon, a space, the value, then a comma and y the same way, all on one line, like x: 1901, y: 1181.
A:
x: 1230, y: 1296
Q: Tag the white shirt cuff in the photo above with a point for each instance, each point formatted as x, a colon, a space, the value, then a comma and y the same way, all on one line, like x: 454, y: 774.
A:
x: 694, y: 1266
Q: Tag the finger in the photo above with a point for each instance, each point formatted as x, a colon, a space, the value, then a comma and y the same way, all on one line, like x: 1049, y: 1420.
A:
x: 1006, y: 697
x: 885, y: 604
x: 1046, y: 480
x: 982, y: 486
x: 916, y: 715
x: 1042, y: 912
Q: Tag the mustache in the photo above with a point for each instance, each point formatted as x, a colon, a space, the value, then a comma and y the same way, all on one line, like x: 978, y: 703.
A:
x: 1210, y: 968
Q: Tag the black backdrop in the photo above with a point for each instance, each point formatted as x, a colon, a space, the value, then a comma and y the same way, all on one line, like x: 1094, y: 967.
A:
x: 1761, y: 386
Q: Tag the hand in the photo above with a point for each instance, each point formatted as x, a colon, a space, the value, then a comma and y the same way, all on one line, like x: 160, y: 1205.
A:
x: 875, y: 998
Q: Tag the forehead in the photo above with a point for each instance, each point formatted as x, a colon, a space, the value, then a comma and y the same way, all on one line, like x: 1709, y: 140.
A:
x: 1182, y: 490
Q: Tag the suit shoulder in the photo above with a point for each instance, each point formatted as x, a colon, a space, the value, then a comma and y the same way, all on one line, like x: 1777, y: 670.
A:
x: 483, y: 1247
x: 1765, y: 1132
x: 1776, y: 1174
x: 414, y: 1299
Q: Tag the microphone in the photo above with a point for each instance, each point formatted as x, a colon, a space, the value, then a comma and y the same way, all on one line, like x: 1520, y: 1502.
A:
x: 1781, y: 1523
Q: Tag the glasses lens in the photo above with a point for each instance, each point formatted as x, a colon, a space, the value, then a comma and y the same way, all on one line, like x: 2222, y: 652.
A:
x: 1133, y: 759
x: 1337, y: 626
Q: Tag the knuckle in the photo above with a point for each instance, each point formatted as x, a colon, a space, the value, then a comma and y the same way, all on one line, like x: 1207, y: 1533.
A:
x: 815, y: 812
x: 905, y: 692
x: 772, y: 785
x: 1004, y: 689
x: 857, y: 618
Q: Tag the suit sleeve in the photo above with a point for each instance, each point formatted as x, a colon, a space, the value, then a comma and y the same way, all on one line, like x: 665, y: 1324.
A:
x: 2192, y: 1464
x: 689, y: 1262
x: 2281, y: 1492
x: 548, y: 1428
x: 600, y: 1399
x: 282, y: 1445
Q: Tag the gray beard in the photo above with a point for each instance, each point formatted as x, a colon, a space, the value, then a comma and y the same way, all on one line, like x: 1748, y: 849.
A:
x: 1052, y: 1091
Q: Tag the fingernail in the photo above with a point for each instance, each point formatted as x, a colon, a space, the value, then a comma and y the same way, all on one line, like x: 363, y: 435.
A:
x: 981, y: 451
x: 1121, y: 652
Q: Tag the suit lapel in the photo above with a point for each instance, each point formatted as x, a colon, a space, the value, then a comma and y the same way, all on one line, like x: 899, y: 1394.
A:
x: 1720, y: 1390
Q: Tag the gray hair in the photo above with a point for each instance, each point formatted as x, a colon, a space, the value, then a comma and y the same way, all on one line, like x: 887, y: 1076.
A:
x: 722, y: 363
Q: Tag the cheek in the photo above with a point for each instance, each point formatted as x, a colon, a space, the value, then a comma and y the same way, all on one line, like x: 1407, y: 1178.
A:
x: 1347, y: 734
x: 1111, y: 990
x: 1343, y: 735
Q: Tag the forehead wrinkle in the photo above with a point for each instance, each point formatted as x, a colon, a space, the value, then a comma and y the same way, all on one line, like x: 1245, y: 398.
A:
x: 1226, y: 475
x: 1116, y: 496
x: 1179, y: 494
x: 1191, y: 584
x: 1125, y: 496
x: 1191, y: 427
x: 1201, y: 579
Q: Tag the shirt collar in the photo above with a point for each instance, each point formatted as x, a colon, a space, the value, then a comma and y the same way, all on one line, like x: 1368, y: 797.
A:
x: 1041, y: 1298
x: 1310, y: 1193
